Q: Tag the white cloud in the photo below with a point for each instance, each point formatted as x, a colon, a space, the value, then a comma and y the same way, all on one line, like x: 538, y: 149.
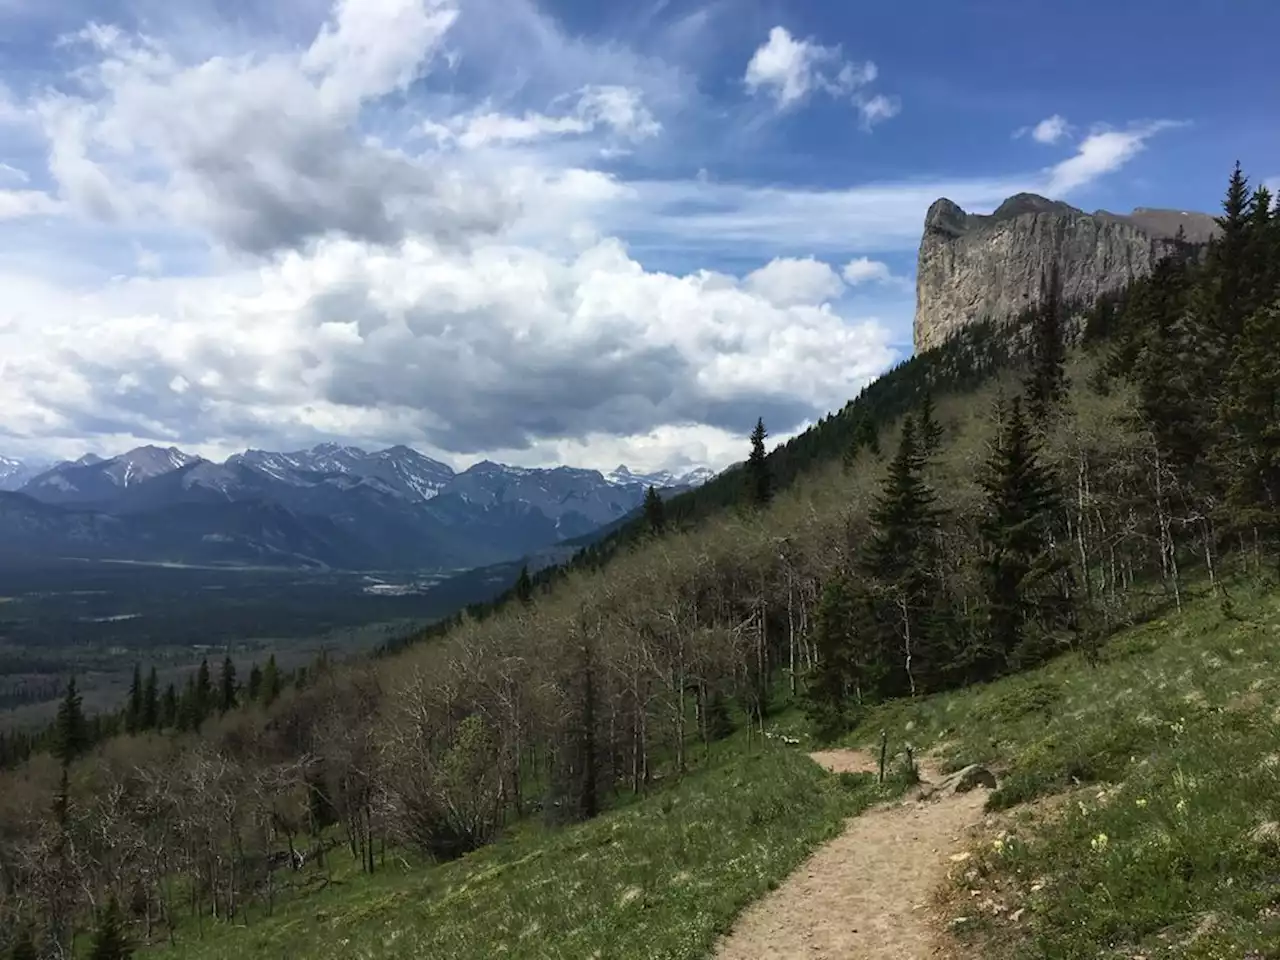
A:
x: 13, y: 174
x: 862, y: 270
x: 1048, y: 131
x: 15, y: 204
x: 1100, y: 153
x: 790, y: 69
x: 787, y: 281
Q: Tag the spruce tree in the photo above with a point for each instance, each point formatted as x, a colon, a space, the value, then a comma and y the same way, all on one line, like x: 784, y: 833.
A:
x: 189, y: 713
x: 133, y: 708
x: 169, y: 708
x: 901, y: 560
x: 930, y: 429
x: 110, y: 941
x: 1019, y: 559
x: 227, y: 691
x: 254, y: 691
x: 833, y: 676
x: 654, y: 511
x: 203, y: 693
x: 71, y: 729
x: 272, y: 683
x: 1046, y: 382
x: 759, y: 483
x: 524, y: 586
x: 151, y: 702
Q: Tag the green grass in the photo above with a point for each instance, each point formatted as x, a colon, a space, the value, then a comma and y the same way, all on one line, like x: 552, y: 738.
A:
x: 1168, y: 841
x: 661, y: 877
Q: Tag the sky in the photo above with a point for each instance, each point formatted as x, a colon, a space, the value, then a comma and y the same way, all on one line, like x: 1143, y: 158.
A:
x: 547, y: 232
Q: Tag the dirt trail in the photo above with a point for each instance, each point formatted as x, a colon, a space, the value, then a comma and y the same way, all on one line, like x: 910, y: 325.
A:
x: 867, y: 894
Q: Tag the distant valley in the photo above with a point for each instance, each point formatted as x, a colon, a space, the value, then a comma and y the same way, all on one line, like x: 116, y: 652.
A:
x: 328, y: 508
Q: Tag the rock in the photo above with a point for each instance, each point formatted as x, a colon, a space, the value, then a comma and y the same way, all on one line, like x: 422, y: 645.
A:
x: 962, y: 781
x: 973, y: 267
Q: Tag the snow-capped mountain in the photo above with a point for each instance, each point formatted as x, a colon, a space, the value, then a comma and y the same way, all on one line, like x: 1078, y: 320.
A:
x: 393, y: 508
x: 621, y: 475
x: 15, y: 473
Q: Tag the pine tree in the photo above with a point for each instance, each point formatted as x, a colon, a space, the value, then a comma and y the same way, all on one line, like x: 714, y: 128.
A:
x: 110, y: 941
x: 203, y: 693
x: 1018, y: 554
x: 524, y: 586
x: 900, y: 559
x: 71, y: 729
x: 133, y: 708
x: 654, y: 511
x: 169, y: 708
x: 189, y: 713
x: 930, y: 429
x: 271, y: 682
x: 759, y: 483
x: 254, y: 690
x: 227, y: 690
x: 1046, y: 382
x: 832, y: 678
x: 864, y: 437
x: 151, y: 702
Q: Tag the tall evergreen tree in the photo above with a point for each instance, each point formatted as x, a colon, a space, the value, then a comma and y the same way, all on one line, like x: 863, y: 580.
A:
x: 759, y: 482
x: 271, y: 682
x: 1019, y: 558
x: 151, y: 701
x: 133, y: 707
x: 169, y: 708
x: 833, y: 677
x: 227, y: 689
x: 524, y: 586
x: 190, y: 715
x: 254, y: 690
x: 930, y: 429
x: 203, y: 692
x: 654, y: 511
x: 71, y: 729
x: 901, y: 558
x: 1046, y: 382
x: 110, y: 940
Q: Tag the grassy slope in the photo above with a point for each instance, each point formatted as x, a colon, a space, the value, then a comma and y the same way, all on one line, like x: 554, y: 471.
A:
x: 1168, y: 843
x: 660, y: 877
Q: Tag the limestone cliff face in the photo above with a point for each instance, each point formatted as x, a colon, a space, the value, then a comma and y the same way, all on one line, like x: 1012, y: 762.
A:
x: 974, y: 267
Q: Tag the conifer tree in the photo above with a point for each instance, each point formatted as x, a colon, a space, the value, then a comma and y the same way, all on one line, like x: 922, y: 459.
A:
x: 254, y: 690
x: 901, y: 560
x: 110, y: 941
x: 133, y: 708
x: 930, y: 429
x: 169, y: 708
x: 524, y: 586
x: 832, y: 678
x: 1018, y: 554
x: 759, y: 483
x: 203, y: 693
x: 227, y: 690
x: 190, y: 715
x: 71, y: 729
x: 271, y: 682
x: 1047, y: 380
x: 654, y: 511
x: 151, y: 702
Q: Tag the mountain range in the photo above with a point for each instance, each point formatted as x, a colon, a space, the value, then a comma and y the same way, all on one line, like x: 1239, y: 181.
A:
x: 331, y: 506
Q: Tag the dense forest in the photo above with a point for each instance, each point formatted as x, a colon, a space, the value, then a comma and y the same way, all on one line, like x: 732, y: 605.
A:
x: 975, y: 511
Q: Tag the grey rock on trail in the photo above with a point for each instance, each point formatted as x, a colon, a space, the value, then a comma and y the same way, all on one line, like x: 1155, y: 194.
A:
x: 973, y: 267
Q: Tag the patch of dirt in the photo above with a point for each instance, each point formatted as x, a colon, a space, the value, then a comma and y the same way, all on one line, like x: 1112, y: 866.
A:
x: 868, y: 894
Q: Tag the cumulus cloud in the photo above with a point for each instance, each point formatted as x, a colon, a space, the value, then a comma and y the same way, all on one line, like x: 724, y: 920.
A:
x: 789, y: 69
x: 496, y: 348
x: 862, y: 270
x: 1102, y: 152
x: 1048, y: 131
x: 787, y: 281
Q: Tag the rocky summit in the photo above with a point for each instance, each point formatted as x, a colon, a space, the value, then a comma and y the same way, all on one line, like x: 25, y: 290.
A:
x: 975, y: 267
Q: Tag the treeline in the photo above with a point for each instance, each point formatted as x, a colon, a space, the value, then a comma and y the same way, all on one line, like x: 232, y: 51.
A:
x: 952, y: 538
x: 180, y: 710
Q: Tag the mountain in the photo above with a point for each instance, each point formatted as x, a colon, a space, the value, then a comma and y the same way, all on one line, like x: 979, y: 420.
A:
x: 15, y: 473
x: 622, y: 476
x: 975, y: 267
x: 331, y: 505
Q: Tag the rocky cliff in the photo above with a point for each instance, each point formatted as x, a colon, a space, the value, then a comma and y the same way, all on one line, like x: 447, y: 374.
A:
x: 974, y: 266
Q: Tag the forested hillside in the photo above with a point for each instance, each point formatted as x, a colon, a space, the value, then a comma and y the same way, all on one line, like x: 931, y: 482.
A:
x: 979, y: 510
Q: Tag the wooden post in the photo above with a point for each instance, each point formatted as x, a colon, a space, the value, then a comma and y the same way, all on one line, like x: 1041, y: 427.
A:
x: 884, y: 747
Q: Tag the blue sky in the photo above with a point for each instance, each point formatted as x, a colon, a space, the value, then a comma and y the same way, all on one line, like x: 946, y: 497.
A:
x: 546, y: 232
